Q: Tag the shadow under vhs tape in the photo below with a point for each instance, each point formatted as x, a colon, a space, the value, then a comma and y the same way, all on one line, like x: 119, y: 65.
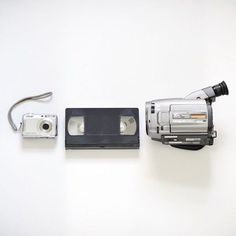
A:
x: 95, y: 128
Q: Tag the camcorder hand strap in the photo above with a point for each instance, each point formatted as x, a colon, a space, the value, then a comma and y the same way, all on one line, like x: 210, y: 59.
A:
x: 31, y: 98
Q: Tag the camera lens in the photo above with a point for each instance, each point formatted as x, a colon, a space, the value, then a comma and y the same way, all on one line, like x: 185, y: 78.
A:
x: 45, y: 126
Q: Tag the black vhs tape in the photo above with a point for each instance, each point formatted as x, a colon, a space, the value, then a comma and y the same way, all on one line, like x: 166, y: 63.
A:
x: 88, y: 128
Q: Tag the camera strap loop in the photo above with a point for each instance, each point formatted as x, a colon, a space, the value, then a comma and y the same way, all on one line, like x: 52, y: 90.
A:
x: 34, y: 98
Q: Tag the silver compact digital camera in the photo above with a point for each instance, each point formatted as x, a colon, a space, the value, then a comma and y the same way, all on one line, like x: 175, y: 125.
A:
x: 39, y: 126
x: 35, y: 125
x: 185, y: 123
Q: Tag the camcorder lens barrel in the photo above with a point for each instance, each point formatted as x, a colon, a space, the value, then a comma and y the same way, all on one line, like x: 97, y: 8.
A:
x: 220, y: 89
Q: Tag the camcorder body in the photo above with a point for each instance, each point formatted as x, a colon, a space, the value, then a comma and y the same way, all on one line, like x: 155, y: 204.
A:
x: 185, y: 123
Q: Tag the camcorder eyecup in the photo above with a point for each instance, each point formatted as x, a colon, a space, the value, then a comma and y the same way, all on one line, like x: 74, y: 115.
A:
x: 220, y: 89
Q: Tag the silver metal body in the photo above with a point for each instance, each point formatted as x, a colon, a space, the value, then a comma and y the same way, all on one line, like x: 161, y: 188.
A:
x: 180, y: 121
x: 39, y: 126
x: 184, y: 122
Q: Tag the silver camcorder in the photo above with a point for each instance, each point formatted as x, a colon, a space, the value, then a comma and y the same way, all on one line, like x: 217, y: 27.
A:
x: 39, y: 126
x: 185, y: 123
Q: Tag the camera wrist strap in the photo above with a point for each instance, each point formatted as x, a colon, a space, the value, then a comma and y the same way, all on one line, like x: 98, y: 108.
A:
x: 34, y: 98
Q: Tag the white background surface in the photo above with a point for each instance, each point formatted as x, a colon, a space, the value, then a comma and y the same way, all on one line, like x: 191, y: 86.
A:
x: 116, y: 54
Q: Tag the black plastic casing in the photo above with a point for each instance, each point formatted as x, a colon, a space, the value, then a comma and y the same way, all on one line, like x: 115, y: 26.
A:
x: 102, y: 129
